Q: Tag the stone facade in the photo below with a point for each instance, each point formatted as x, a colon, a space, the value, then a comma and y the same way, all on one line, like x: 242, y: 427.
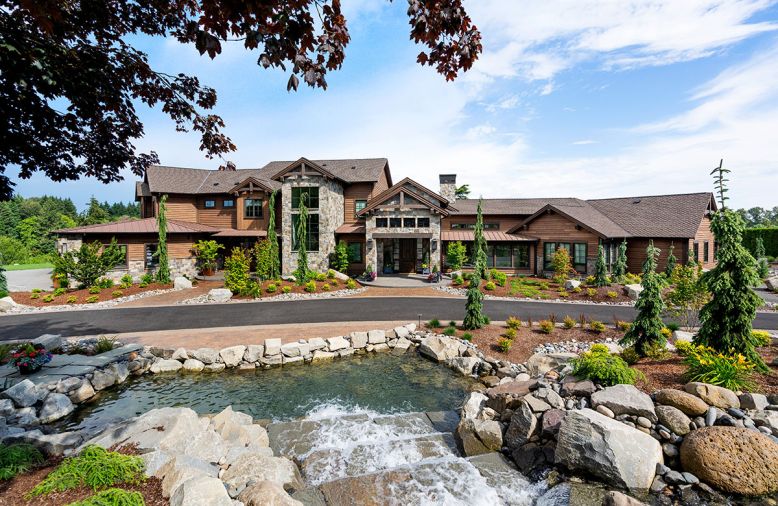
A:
x: 448, y: 187
x: 330, y: 213
x: 136, y: 268
x: 375, y: 246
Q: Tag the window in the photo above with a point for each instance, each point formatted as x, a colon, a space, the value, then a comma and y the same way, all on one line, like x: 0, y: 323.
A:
x: 490, y: 255
x: 359, y: 205
x: 471, y: 226
x: 521, y: 256
x: 150, y: 261
x: 355, y: 252
x: 423, y: 223
x: 312, y: 200
x: 705, y: 251
x: 228, y: 203
x: 381, y: 222
x: 122, y: 262
x: 253, y: 208
x: 395, y: 222
x: 502, y: 255
x: 696, y: 251
x: 548, y: 253
x: 312, y: 232
x: 209, y: 204
x: 409, y: 222
x: 579, y: 256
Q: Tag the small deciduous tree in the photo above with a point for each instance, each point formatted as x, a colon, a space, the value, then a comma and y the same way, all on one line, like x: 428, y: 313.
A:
x: 601, y: 269
x: 645, y: 332
x: 301, y: 237
x: 688, y: 294
x: 341, y: 258
x: 90, y: 262
x: 672, y: 263
x: 263, y: 256
x: 272, y: 238
x: 479, y: 243
x: 207, y: 251
x: 456, y: 255
x: 620, y: 267
x: 562, y: 265
x: 474, y: 317
x: 163, y: 269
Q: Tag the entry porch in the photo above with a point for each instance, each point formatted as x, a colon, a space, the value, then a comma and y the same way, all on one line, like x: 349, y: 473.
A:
x: 404, y: 254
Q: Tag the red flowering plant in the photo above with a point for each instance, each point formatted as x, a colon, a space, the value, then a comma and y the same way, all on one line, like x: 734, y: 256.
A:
x: 30, y: 356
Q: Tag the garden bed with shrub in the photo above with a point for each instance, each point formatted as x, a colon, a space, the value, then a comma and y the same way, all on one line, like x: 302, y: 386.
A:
x: 103, y: 290
x: 274, y: 288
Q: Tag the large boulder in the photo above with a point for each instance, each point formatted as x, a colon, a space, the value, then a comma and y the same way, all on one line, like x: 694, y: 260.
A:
x: 686, y: 402
x: 615, y: 452
x: 266, y: 493
x: 233, y: 355
x: 468, y: 440
x: 732, y: 459
x: 674, y: 419
x: 633, y: 291
x: 523, y: 425
x: 219, y: 295
x: 766, y: 418
x: 23, y: 394
x: 193, y: 365
x: 714, y: 395
x: 625, y: 400
x: 201, y: 491
x: 772, y: 283
x: 439, y: 348
x: 165, y: 365
x: 251, y: 467
x: 205, y: 355
x: 181, y: 283
x: 540, y: 363
x: 337, y: 343
x: 572, y: 284
x: 82, y: 393
x: 473, y: 405
x: 463, y: 365
x: 55, y: 406
x: 509, y: 395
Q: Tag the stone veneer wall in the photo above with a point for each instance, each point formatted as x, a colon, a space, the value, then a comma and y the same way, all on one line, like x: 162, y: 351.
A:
x: 375, y: 255
x: 330, y: 218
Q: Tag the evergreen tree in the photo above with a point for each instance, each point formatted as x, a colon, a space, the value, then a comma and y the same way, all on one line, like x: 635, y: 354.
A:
x: 479, y: 243
x: 474, y: 317
x: 763, y: 268
x: 95, y: 213
x: 672, y: 262
x: 341, y: 259
x: 3, y: 282
x: 646, y: 331
x: 620, y: 267
x: 302, y: 273
x: 275, y: 261
x: 601, y: 269
x: 163, y: 271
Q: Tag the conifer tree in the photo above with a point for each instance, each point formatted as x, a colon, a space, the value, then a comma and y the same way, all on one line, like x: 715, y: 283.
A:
x: 474, y: 317
x: 275, y: 267
x: 302, y: 273
x: 763, y: 268
x: 726, y: 320
x: 620, y: 267
x: 3, y: 283
x: 601, y: 269
x: 163, y: 271
x: 646, y: 331
x: 479, y: 243
x: 672, y: 262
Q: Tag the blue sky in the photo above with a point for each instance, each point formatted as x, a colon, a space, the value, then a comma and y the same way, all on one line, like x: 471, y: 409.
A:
x: 570, y: 98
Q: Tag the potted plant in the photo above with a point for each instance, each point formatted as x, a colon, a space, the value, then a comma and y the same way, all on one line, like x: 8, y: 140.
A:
x: 29, y: 358
x: 425, y: 265
x: 388, y: 268
x: 207, y: 251
x: 370, y: 274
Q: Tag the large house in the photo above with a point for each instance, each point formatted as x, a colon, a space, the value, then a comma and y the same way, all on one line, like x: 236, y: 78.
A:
x: 392, y: 227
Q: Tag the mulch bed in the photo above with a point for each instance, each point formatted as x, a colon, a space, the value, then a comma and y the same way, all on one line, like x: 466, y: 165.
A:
x: 531, y: 287
x: 12, y: 492
x: 527, y: 340
x: 83, y: 294
x: 331, y: 284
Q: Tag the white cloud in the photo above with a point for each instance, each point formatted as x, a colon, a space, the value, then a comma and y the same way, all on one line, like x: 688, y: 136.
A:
x: 509, y: 102
x: 479, y: 131
x: 584, y: 142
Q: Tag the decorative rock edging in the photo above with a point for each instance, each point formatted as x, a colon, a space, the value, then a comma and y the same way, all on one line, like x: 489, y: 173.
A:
x: 205, y: 299
x: 462, y: 292
x: 24, y: 309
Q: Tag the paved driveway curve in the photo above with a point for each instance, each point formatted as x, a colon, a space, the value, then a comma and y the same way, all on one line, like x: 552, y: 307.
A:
x: 305, y: 311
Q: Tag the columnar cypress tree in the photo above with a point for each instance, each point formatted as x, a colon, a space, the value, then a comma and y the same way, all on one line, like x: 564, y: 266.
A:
x: 601, y: 269
x: 275, y: 267
x: 671, y: 262
x: 763, y: 269
x: 620, y: 267
x: 479, y: 243
x: 163, y: 271
x: 646, y: 330
x: 302, y: 271
x: 474, y: 318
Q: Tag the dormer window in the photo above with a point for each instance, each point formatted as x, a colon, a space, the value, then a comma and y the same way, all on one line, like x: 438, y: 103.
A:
x: 253, y: 208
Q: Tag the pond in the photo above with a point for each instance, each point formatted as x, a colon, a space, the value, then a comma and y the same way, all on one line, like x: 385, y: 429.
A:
x: 382, y: 383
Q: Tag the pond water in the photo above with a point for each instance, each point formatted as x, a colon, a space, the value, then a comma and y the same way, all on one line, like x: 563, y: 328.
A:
x: 380, y: 383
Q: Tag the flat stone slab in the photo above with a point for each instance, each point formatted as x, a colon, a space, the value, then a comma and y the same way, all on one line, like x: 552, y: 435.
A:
x: 64, y: 360
x: 444, y: 421
x: 409, y: 424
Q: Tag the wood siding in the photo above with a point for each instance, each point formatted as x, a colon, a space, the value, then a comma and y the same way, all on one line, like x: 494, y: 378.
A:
x: 382, y: 184
x: 352, y: 193
x: 702, y: 236
x: 506, y: 222
x: 636, y: 252
x: 244, y: 223
x: 181, y: 207
x: 355, y: 268
x: 553, y: 227
x: 178, y: 245
x: 219, y: 216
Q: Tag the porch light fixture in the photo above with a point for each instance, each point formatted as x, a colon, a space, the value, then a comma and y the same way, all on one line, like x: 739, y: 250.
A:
x: 434, y: 243
x: 370, y: 243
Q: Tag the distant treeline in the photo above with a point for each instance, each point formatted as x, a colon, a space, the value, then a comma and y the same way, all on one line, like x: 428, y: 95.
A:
x: 26, y: 223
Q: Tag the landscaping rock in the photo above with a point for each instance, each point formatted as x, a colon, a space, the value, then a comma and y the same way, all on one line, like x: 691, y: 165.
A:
x: 681, y: 335
x: 358, y: 339
x: 179, y: 354
x: 120, y: 370
x: 181, y: 283
x: 625, y: 400
x: 232, y: 356
x: 205, y: 355
x: 579, y: 388
x: 463, y: 365
x: 272, y: 347
x: 674, y: 419
x: 51, y: 445
x: 193, y: 365
x: 82, y: 393
x: 103, y: 379
x: 468, y: 440
x: 732, y: 459
x: 23, y: 394
x: 572, y: 284
x: 336, y: 343
x: 509, y: 395
x: 295, y: 349
x: 552, y: 420
x: 686, y: 402
x: 615, y: 498
x: 201, y: 491
x: 401, y: 332
x: 540, y: 363
x: 620, y: 455
x: 753, y: 401
x: 490, y: 434
x: 7, y: 407
x: 66, y: 385
x: 321, y: 356
x: 767, y: 419
x: 251, y: 467
x: 713, y: 395
x: 164, y: 365
x: 376, y: 337
x: 523, y: 425
x: 439, y: 348
x: 266, y: 493
x: 214, y: 368
x: 219, y: 295
x: 55, y: 406
x: 633, y: 291
x: 772, y: 283
x: 253, y: 353
x: 316, y: 343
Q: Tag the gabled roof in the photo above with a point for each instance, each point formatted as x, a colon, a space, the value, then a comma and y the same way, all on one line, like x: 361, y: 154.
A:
x: 350, y: 170
x: 582, y: 214
x: 251, y: 182
x: 421, y: 193
x: 307, y: 165
x: 523, y: 207
x: 144, y: 226
x: 671, y: 216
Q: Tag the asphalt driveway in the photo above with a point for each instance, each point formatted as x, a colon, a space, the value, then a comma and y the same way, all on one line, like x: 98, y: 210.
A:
x: 27, y: 280
x: 116, y: 320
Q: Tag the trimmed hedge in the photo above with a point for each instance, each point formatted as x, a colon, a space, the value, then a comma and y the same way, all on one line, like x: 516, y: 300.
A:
x: 769, y: 236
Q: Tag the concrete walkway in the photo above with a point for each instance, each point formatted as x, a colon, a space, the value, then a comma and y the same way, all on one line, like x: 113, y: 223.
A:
x: 27, y: 280
x: 401, y: 281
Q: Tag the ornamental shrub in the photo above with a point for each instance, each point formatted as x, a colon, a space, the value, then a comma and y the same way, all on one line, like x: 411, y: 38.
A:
x: 89, y: 262
x: 105, y: 283
x: 112, y: 497
x: 456, y: 255
x: 35, y: 295
x: 672, y: 263
x: 568, y: 322
x: 310, y: 286
x: 126, y: 281
x: 591, y: 292
x: 286, y: 289
x: 330, y: 274
x: 498, y: 277
x: 589, y: 280
x: 147, y: 278
x: 561, y: 265
x: 467, y: 336
x: 546, y: 326
x: 104, y: 344
x: 596, y: 326
x: 434, y: 323
x: 474, y: 317
x: 320, y: 277
x: 510, y: 334
x: 513, y: 323
x: 351, y: 284
x: 59, y: 291
x: 72, y: 299
x: 706, y: 365
x: 48, y: 298
x: 490, y: 286
x: 449, y: 331
x: 564, y: 294
x: 340, y: 258
x: 207, y: 252
x: 117, y: 293
x: 271, y: 288
x: 612, y: 294
x: 761, y: 337
x: 18, y: 458
x: 92, y: 299
x: 237, y: 269
x: 325, y: 287
x: 601, y: 269
x: 263, y: 257
x: 600, y: 366
x: 630, y: 356
x: 620, y: 267
x: 457, y: 280
x: 688, y: 295
x: 684, y: 347
x: 504, y: 345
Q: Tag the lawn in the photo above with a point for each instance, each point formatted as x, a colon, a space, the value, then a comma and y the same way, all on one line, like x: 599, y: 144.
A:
x: 27, y: 267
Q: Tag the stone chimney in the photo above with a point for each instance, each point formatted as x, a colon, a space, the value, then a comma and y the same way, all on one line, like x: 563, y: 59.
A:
x: 448, y: 186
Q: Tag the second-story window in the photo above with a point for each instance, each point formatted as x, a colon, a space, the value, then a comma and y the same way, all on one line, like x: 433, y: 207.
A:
x: 409, y: 222
x: 312, y: 193
x: 359, y: 205
x: 381, y: 222
x: 253, y: 208
x: 423, y: 222
x: 395, y: 222
x: 210, y: 204
x: 228, y: 203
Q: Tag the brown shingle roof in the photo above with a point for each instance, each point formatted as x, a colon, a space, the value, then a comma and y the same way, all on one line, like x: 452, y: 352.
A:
x: 144, y: 226
x: 524, y: 207
x: 352, y: 170
x: 657, y: 215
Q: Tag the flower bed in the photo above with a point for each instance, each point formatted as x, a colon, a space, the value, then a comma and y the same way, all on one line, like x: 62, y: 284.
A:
x: 546, y: 289
x: 271, y: 289
x: 83, y: 295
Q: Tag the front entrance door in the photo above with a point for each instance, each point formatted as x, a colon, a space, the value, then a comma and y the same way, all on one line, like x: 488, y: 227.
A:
x: 407, y: 255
